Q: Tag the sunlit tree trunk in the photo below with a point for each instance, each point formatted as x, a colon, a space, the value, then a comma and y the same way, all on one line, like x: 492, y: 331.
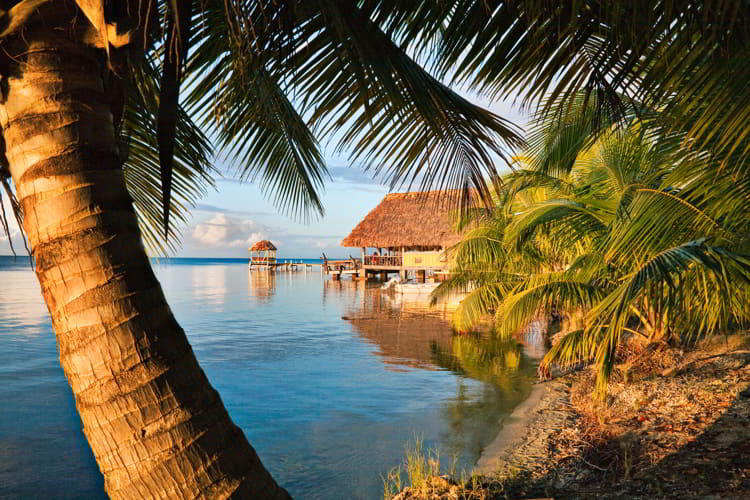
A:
x: 156, y: 426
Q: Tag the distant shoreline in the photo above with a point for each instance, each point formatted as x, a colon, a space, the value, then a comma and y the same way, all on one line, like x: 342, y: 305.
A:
x: 225, y: 260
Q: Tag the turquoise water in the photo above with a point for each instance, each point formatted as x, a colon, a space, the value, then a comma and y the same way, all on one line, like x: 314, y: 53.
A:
x: 328, y: 380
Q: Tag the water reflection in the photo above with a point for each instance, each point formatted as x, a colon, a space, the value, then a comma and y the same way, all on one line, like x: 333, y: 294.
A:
x: 505, y: 368
x: 484, y: 358
x: 209, y: 284
x: 492, y: 375
x: 262, y: 285
x: 327, y: 379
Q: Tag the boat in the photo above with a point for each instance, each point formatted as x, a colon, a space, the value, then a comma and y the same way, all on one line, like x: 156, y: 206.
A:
x: 409, y: 288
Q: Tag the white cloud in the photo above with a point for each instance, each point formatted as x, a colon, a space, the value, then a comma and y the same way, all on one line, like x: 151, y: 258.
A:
x: 225, y: 231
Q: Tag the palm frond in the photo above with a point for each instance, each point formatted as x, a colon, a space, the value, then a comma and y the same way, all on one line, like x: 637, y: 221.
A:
x: 716, y: 266
x: 192, y: 168
x: 262, y: 134
x: 481, y: 301
x: 575, y: 219
x: 573, y: 348
x: 396, y: 118
x: 541, y: 295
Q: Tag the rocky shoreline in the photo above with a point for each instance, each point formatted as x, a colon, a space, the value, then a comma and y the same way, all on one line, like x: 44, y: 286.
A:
x: 676, y: 426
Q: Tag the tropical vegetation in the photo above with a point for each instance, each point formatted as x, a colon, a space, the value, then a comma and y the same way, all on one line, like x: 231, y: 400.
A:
x: 102, y: 150
x: 623, y: 232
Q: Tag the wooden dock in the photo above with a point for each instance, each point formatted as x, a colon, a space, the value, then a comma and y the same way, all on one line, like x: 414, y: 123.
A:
x: 335, y: 268
x: 284, y: 266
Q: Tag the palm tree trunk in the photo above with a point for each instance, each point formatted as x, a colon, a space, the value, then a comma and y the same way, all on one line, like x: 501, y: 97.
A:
x: 156, y: 426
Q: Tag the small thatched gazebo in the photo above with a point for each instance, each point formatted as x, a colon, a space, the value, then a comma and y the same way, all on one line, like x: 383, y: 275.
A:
x: 262, y: 255
x: 409, y: 231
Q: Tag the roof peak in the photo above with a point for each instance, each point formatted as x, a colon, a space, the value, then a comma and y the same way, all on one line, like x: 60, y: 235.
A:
x: 414, y: 218
x: 262, y: 245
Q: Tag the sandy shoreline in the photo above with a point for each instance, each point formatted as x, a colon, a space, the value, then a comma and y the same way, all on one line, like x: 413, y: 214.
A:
x: 523, y: 434
x: 513, y: 429
x: 676, y: 428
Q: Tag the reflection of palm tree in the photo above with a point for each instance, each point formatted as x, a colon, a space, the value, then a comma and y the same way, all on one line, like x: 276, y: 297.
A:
x: 262, y: 285
x: 491, y: 360
x: 507, y: 377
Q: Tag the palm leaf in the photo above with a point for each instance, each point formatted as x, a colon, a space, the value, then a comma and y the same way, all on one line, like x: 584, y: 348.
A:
x: 541, y: 295
x: 192, y: 169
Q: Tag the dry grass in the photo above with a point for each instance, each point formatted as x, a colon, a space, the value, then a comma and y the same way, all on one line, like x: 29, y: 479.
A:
x: 423, y: 473
x: 660, y: 404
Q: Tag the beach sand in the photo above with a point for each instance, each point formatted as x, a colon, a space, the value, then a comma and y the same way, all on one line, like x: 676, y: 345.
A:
x: 524, y: 434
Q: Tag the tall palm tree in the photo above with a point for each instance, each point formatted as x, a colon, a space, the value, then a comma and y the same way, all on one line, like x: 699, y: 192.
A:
x: 101, y: 151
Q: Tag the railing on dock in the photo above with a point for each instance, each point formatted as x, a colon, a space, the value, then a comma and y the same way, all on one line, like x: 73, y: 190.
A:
x: 384, y: 260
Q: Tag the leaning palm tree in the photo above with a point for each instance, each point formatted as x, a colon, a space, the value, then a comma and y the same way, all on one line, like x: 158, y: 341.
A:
x: 102, y: 151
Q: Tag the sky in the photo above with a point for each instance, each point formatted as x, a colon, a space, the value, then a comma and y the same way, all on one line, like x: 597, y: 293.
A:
x: 235, y: 215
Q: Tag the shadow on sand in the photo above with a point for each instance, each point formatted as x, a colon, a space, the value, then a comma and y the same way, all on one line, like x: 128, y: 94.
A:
x: 713, y: 465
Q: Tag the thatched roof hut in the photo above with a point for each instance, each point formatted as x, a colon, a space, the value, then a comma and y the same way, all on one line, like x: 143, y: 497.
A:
x: 262, y: 245
x: 415, y: 219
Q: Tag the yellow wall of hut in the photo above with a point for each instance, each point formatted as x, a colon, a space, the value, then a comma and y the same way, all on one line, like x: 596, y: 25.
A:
x: 426, y: 260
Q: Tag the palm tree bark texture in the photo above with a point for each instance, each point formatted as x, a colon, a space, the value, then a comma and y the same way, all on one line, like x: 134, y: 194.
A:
x: 156, y: 426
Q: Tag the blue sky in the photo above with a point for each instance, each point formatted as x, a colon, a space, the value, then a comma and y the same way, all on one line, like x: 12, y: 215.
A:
x: 232, y: 217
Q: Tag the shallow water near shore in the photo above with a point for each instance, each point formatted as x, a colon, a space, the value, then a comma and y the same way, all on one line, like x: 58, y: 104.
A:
x: 328, y: 380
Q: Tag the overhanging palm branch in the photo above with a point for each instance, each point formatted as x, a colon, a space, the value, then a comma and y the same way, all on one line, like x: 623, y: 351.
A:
x: 259, y: 129
x: 192, y: 169
x: 398, y: 119
x: 647, y: 49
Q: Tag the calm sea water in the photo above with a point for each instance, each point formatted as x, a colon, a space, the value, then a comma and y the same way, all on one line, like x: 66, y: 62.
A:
x: 329, y: 380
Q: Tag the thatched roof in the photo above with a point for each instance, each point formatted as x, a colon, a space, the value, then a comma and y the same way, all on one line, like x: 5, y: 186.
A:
x: 262, y: 245
x: 423, y: 219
